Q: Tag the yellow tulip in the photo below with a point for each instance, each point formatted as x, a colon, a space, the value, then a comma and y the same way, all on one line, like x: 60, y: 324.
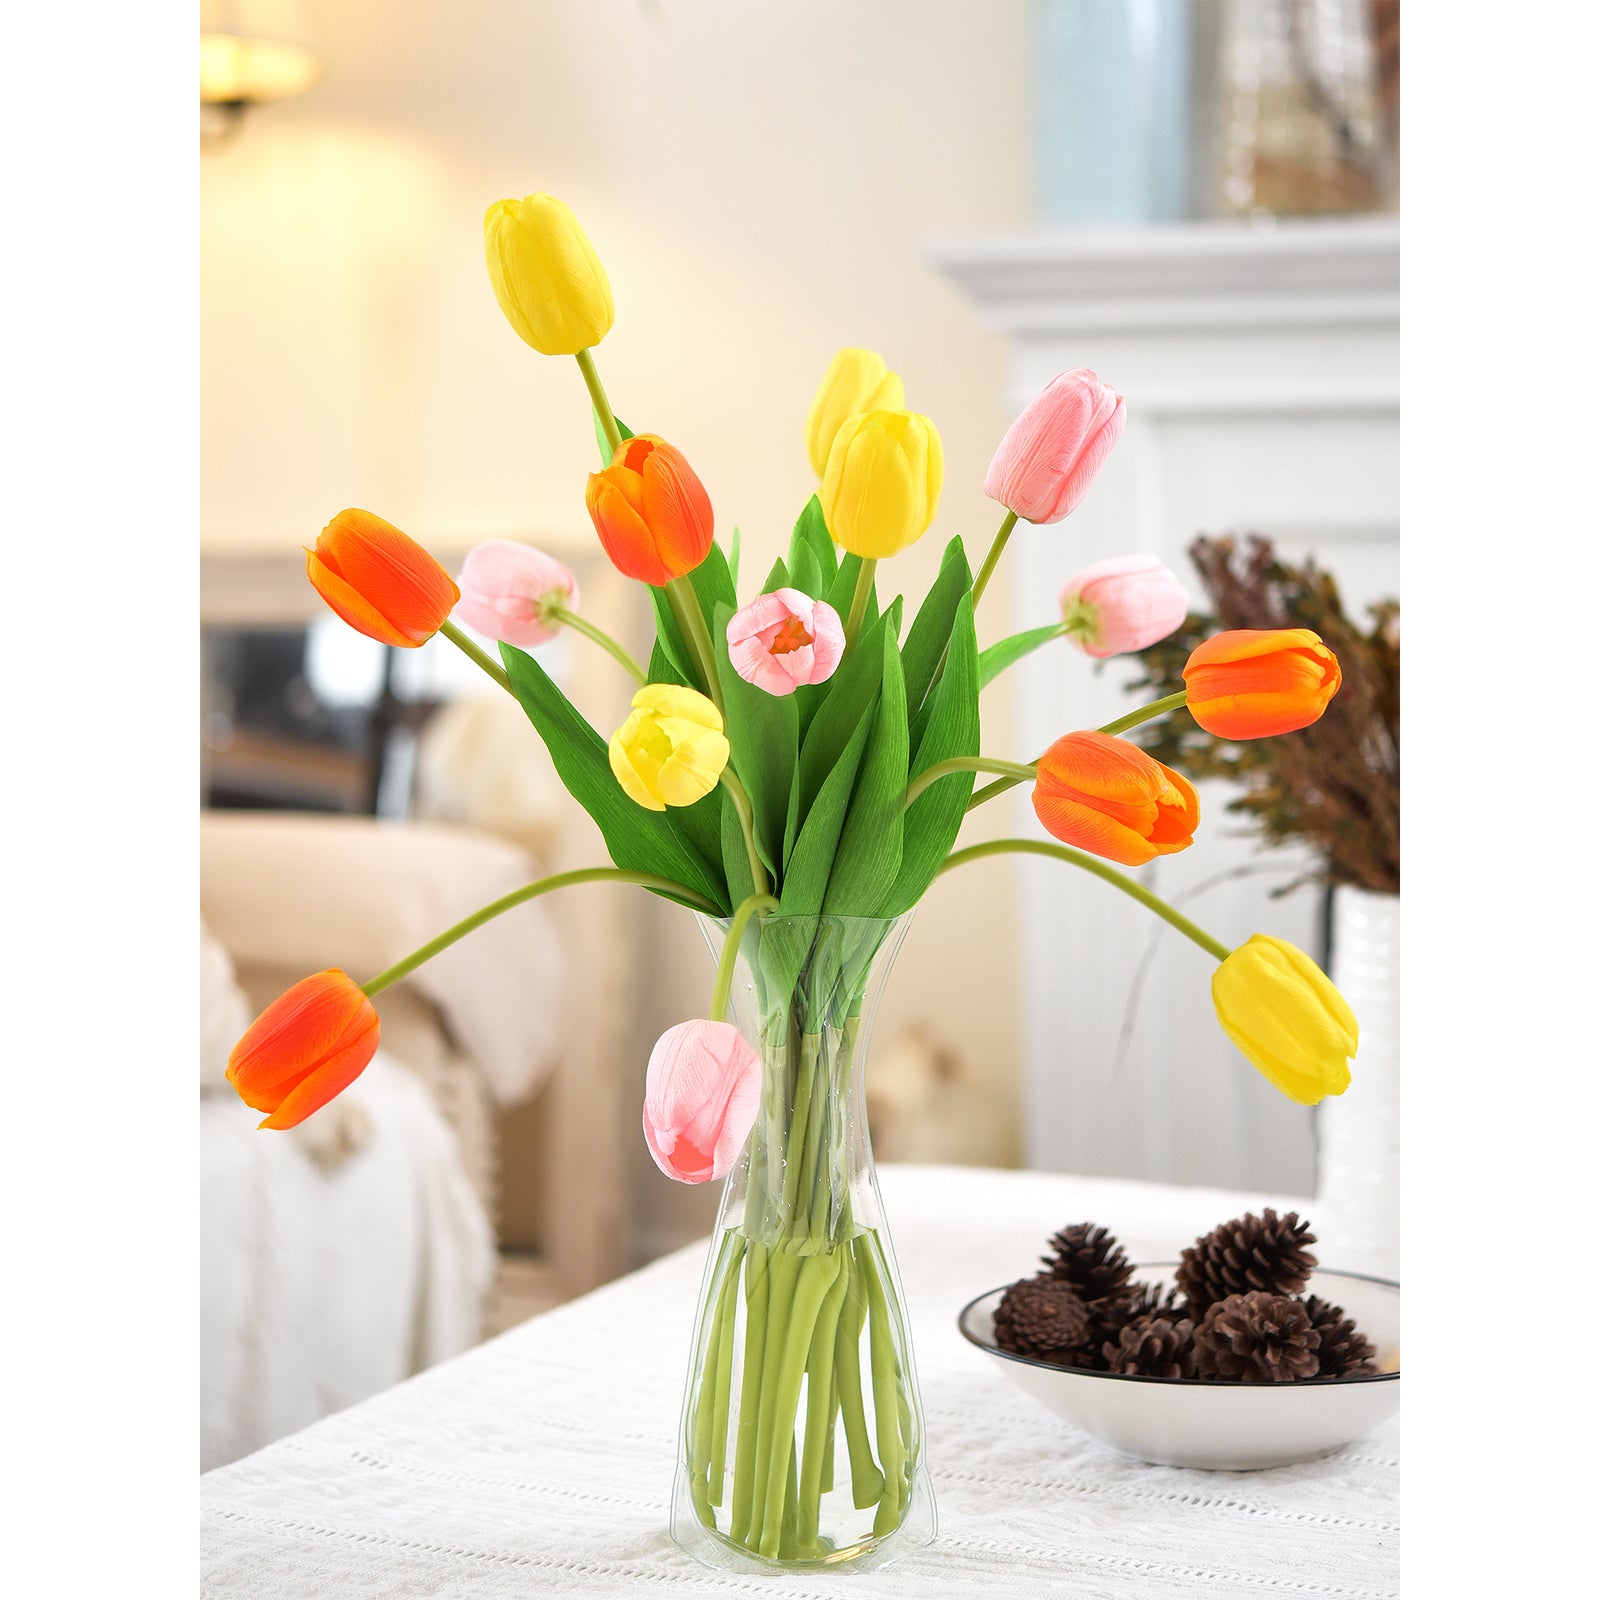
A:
x: 856, y: 380
x: 671, y: 750
x: 1274, y: 1002
x: 546, y: 276
x: 881, y: 487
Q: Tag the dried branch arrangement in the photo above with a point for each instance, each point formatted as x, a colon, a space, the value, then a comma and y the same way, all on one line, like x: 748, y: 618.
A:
x: 1335, y: 784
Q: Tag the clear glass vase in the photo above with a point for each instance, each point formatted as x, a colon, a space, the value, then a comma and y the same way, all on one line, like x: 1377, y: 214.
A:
x: 801, y: 1443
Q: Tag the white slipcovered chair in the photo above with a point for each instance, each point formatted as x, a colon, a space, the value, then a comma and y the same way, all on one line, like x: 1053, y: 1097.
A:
x: 344, y: 1255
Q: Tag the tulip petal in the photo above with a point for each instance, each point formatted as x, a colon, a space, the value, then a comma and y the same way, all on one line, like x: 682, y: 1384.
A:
x: 702, y: 1090
x: 1086, y: 828
x: 352, y: 608
x: 505, y: 587
x: 1106, y: 795
x: 1284, y: 1014
x: 331, y: 1078
x: 309, y: 1044
x: 361, y: 557
x: 1049, y: 456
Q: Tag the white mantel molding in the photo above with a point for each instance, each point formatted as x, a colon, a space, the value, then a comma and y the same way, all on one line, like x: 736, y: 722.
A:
x: 1192, y: 275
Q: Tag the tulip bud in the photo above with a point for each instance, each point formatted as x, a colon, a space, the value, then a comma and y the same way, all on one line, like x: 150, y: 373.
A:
x: 881, y: 487
x: 507, y: 589
x: 1108, y: 797
x: 381, y: 582
x: 856, y: 381
x: 1275, y: 1003
x: 1255, y: 682
x: 652, y: 513
x: 1051, y: 453
x: 671, y: 751
x: 784, y: 639
x: 1121, y: 605
x: 312, y: 1042
x: 546, y: 275
x: 701, y: 1093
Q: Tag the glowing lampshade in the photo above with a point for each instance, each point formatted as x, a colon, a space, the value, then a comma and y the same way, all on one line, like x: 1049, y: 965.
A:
x: 253, y: 51
x: 235, y: 69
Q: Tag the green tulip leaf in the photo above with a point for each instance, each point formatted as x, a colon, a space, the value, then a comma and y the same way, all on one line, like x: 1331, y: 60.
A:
x: 931, y: 631
x: 638, y: 840
x: 868, y: 857
x: 811, y: 533
x: 1009, y: 651
x: 843, y: 704
x: 951, y: 729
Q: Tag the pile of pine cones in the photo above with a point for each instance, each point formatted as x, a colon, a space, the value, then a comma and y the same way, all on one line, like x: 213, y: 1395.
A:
x: 1236, y: 1315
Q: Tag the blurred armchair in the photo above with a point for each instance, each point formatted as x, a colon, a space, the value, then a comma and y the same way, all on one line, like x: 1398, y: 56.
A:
x: 358, y: 1248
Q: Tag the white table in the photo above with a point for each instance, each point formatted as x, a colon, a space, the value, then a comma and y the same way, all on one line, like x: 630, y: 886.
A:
x: 542, y: 1462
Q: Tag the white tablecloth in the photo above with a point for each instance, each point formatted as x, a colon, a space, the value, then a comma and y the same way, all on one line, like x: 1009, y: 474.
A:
x: 542, y: 1462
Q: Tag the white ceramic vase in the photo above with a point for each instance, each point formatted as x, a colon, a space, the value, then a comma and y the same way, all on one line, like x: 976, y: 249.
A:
x: 1358, y: 1133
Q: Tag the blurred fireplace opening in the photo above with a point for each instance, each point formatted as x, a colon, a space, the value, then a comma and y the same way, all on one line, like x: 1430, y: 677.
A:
x: 280, y: 735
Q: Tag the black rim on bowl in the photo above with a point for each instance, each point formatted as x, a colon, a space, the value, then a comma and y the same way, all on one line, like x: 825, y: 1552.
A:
x: 993, y: 1349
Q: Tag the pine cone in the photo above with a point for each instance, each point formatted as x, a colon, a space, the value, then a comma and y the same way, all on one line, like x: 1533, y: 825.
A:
x: 1134, y: 1300
x: 1042, y: 1318
x: 1153, y: 1347
x: 1089, y: 1259
x: 1267, y: 1253
x: 1345, y: 1350
x: 1256, y: 1338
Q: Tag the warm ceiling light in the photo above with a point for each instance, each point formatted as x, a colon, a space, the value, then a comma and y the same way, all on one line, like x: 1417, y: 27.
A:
x: 239, y: 70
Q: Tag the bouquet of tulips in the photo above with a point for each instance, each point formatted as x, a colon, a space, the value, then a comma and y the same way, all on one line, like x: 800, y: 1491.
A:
x: 795, y: 766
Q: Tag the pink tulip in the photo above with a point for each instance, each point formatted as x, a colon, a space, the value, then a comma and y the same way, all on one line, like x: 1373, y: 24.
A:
x: 506, y: 588
x: 701, y: 1091
x: 1122, y: 604
x: 1050, y: 454
x: 783, y: 639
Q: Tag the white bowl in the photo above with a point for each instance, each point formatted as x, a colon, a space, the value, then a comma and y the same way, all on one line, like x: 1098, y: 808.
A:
x: 1226, y: 1427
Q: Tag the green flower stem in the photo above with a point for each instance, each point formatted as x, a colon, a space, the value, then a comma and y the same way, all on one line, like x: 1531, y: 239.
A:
x: 866, y: 1481
x: 858, y: 601
x: 468, y: 648
x: 756, y: 1275
x: 813, y: 1279
x: 747, y: 822
x: 820, y: 1402
x: 691, y: 620
x: 724, y: 1356
x: 713, y: 1383
x: 943, y: 769
x: 1089, y: 863
x: 992, y: 560
x: 1156, y: 708
x: 772, y: 1442
x: 559, y: 613
x: 602, y: 406
x: 529, y: 891
x: 730, y: 951
x: 990, y: 790
x: 885, y: 1388
x: 802, y: 1126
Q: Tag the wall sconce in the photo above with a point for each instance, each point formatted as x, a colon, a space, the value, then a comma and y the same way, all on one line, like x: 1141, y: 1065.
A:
x: 251, y: 52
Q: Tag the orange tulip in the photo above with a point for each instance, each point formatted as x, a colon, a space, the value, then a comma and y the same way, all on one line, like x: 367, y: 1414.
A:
x: 312, y: 1042
x: 381, y: 582
x: 1107, y: 796
x: 652, y: 513
x: 1255, y: 682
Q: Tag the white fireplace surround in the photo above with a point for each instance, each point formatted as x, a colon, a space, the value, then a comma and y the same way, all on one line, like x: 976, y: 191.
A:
x: 1261, y: 370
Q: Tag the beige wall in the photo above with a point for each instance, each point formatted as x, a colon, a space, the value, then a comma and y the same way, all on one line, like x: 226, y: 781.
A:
x: 759, y: 176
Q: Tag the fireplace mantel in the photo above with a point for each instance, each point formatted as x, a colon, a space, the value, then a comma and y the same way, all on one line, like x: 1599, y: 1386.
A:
x: 1192, y: 275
